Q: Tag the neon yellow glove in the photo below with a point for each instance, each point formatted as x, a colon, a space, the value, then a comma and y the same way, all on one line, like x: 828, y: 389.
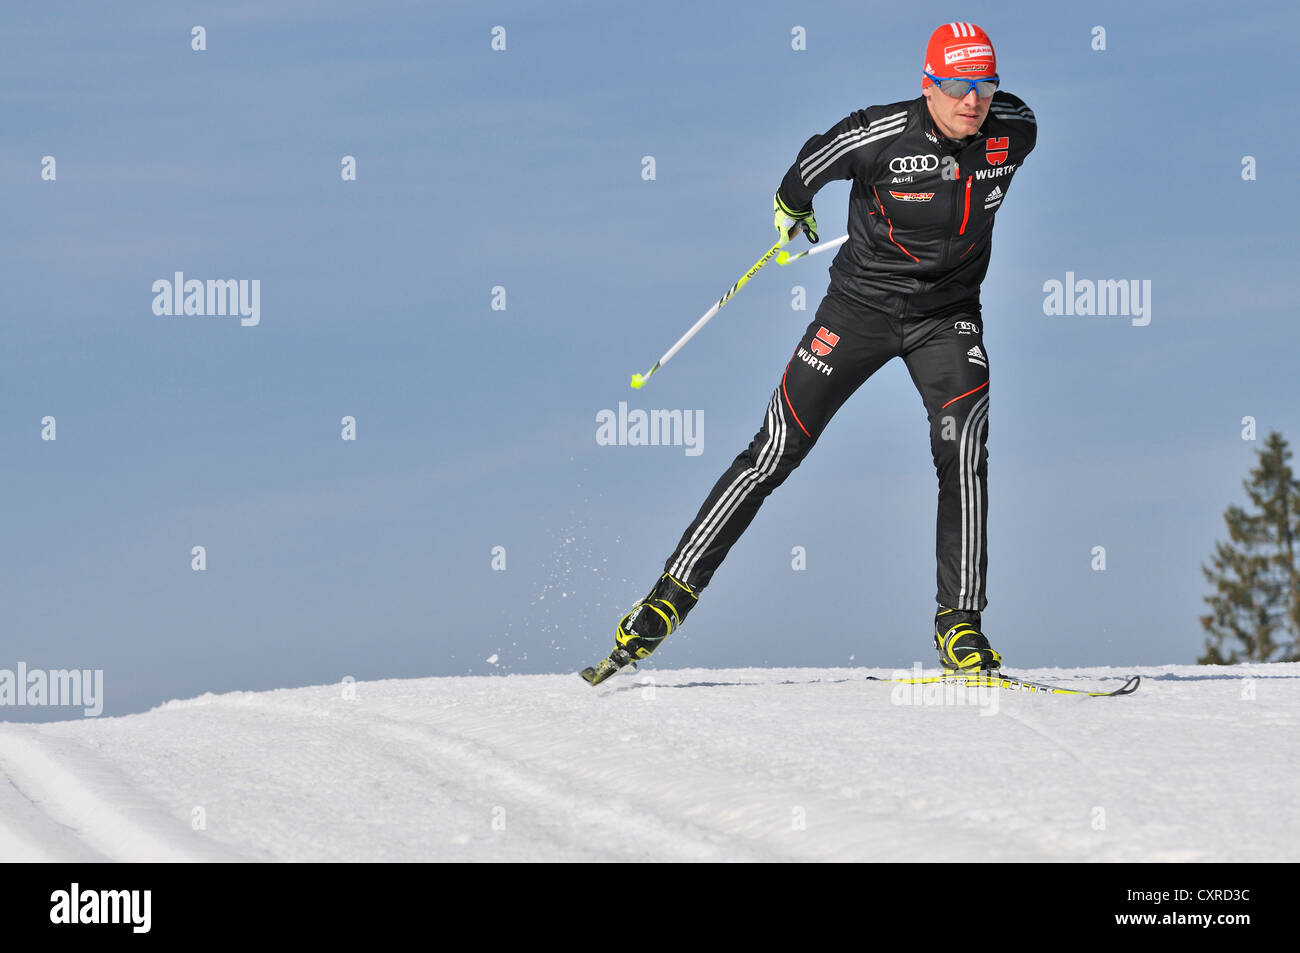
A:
x: 789, y: 222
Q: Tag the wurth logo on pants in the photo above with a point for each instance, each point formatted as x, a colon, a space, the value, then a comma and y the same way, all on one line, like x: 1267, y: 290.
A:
x: 812, y: 362
x: 824, y: 342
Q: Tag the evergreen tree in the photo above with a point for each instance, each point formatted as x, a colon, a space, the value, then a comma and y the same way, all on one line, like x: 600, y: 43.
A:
x: 1255, y: 607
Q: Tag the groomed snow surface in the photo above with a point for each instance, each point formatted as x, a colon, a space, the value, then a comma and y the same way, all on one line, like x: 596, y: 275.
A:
x: 690, y: 764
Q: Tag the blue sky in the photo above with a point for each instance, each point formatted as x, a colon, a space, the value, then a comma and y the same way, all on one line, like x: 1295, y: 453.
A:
x: 476, y: 427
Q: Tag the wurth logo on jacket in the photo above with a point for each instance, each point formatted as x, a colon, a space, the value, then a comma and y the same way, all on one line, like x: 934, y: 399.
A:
x: 922, y: 206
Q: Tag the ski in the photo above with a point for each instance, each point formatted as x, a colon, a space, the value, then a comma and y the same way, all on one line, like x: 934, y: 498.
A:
x: 1008, y: 682
x: 618, y: 660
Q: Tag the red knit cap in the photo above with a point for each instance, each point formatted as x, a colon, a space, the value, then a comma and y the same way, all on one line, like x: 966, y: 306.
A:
x: 959, y: 49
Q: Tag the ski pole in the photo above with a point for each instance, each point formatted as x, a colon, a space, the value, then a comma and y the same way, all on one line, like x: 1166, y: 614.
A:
x: 638, y: 380
x: 785, y: 257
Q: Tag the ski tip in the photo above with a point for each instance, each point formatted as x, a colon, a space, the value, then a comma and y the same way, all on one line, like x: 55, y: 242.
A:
x: 1129, y: 687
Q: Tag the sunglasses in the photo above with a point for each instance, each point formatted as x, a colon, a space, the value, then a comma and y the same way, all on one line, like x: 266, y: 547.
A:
x: 957, y: 87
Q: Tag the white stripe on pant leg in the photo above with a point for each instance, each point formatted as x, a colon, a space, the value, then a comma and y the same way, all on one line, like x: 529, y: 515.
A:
x: 970, y: 514
x: 689, y: 550
x: 977, y: 509
x: 982, y: 539
x: 961, y: 484
x: 725, y: 508
x: 686, y: 558
x: 967, y: 526
x: 709, y: 526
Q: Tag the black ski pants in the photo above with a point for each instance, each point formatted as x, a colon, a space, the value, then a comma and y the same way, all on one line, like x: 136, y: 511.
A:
x: 845, y: 344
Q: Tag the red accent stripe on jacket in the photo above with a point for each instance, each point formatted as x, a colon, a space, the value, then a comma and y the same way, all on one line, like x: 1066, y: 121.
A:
x: 966, y: 217
x: 891, y: 230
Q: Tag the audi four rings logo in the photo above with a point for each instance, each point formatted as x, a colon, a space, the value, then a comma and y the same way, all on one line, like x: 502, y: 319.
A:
x: 914, y: 164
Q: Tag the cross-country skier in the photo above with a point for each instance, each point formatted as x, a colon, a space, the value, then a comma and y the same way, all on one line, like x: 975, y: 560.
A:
x: 929, y: 176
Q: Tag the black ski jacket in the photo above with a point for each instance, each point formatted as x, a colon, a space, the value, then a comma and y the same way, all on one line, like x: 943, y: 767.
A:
x: 922, y: 206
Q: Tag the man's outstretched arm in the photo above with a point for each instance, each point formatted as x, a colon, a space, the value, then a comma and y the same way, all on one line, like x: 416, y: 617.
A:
x: 847, y: 147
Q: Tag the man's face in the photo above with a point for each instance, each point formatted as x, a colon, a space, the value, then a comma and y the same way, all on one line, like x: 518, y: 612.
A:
x: 958, y: 117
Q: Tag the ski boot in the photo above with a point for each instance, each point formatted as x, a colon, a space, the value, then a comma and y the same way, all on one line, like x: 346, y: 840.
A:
x: 962, y: 647
x: 649, y: 623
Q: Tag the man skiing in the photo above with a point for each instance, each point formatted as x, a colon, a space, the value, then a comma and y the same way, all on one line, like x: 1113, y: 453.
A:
x: 928, y: 176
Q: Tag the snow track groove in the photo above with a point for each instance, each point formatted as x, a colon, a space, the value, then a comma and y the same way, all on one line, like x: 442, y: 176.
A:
x: 61, y: 801
x: 573, y: 817
x: 687, y: 765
